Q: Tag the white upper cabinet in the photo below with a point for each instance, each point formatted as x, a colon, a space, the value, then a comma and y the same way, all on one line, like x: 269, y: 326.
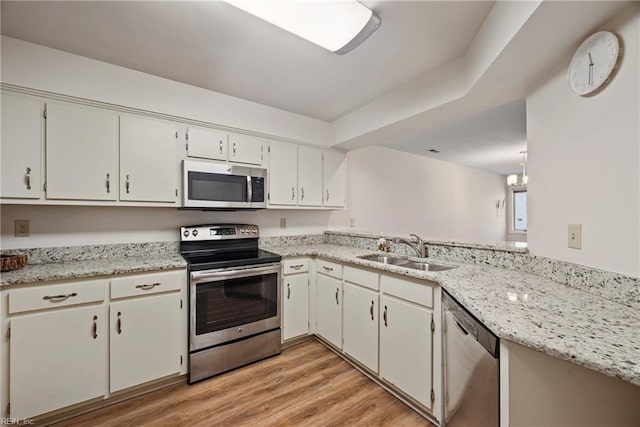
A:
x: 245, y: 149
x: 207, y: 143
x: 147, y: 160
x: 82, y: 153
x: 21, y: 147
x: 309, y: 176
x: 283, y: 173
x: 334, y: 178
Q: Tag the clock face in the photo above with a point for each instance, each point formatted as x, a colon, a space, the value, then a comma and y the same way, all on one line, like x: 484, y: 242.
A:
x: 593, y: 62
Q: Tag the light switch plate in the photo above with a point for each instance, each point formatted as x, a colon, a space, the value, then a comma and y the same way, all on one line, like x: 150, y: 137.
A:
x: 283, y: 222
x: 22, y: 228
x: 575, y: 236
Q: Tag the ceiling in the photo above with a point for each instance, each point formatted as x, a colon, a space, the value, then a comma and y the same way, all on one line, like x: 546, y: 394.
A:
x: 213, y: 45
x: 435, y: 75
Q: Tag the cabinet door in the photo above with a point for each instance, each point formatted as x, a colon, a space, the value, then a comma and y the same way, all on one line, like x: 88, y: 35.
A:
x: 329, y: 309
x: 406, y: 347
x: 145, y: 339
x: 283, y: 173
x: 296, y: 306
x: 309, y: 176
x: 207, y: 144
x: 245, y: 149
x: 21, y: 147
x: 82, y: 153
x: 360, y: 325
x: 57, y: 359
x: 334, y: 178
x: 147, y: 160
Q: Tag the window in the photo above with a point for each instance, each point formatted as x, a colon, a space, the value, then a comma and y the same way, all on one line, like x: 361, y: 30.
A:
x: 520, y: 211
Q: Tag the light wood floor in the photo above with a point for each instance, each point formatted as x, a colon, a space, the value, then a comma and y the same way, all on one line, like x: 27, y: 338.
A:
x: 306, y: 385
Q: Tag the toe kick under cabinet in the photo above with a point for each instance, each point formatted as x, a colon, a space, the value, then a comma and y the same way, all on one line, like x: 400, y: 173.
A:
x: 66, y: 343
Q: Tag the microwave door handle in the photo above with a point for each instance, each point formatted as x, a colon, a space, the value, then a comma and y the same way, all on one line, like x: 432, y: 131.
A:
x: 249, y: 190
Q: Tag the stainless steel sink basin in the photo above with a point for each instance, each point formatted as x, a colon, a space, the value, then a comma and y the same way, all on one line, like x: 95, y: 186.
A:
x: 425, y: 266
x: 403, y: 262
x: 385, y: 259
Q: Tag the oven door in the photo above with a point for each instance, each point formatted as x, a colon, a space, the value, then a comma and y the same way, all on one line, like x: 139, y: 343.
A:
x: 234, y: 303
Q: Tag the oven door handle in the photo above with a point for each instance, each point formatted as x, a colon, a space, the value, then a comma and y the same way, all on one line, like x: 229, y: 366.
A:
x: 197, y: 277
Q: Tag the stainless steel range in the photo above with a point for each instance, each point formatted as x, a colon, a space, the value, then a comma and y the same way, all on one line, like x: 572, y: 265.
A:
x: 234, y: 298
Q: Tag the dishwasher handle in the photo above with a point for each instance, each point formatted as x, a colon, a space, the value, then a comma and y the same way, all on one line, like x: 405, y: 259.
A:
x: 471, y: 326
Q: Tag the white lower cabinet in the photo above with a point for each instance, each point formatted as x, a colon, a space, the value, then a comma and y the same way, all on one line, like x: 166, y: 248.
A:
x: 57, y: 358
x: 360, y: 327
x: 406, y: 347
x: 296, y: 306
x: 329, y: 309
x: 145, y: 340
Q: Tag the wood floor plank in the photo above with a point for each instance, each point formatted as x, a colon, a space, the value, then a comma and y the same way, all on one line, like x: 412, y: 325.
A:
x: 306, y: 385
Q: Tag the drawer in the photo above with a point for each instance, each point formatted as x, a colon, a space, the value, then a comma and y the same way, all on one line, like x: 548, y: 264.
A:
x: 295, y: 265
x: 146, y: 284
x: 359, y: 276
x: 53, y: 296
x: 329, y: 268
x: 419, y: 292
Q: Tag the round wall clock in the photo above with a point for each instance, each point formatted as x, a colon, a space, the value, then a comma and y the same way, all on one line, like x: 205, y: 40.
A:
x: 594, y: 62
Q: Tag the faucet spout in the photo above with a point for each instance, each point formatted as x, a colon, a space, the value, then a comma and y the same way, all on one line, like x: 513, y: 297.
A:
x: 417, y: 245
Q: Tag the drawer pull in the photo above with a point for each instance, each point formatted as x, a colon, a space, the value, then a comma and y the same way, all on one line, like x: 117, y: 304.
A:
x: 95, y: 327
x: 327, y: 268
x: 147, y: 286
x: 58, y: 298
x: 297, y: 266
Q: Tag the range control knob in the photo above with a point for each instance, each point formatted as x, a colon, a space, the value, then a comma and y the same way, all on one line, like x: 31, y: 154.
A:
x: 243, y: 231
x: 254, y: 231
x: 186, y: 233
x: 195, y: 233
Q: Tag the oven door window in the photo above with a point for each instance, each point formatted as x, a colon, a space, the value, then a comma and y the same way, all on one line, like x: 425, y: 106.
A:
x: 217, y: 187
x: 234, y: 302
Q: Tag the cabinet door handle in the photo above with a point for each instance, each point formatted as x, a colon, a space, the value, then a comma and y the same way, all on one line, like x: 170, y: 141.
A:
x: 94, y: 331
x: 371, y: 310
x: 28, y: 178
x: 384, y: 315
x: 234, y: 149
x: 147, y: 286
x: 327, y: 268
x: 288, y: 291
x: 337, y: 291
x: 119, y: 324
x: 297, y: 266
x: 293, y: 193
x: 220, y: 146
x: 59, y: 298
x: 327, y: 195
x: 126, y: 184
x: 302, y: 193
x: 108, y: 183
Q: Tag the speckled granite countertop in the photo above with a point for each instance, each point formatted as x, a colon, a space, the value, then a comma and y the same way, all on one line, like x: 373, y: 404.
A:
x: 538, y: 313
x: 62, y: 270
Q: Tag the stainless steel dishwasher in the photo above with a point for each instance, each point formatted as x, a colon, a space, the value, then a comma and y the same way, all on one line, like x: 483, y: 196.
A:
x: 471, y: 369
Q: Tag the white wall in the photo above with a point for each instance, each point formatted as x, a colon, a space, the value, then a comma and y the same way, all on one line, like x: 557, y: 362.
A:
x: 395, y: 192
x: 39, y: 67
x: 583, y: 159
x: 78, y: 225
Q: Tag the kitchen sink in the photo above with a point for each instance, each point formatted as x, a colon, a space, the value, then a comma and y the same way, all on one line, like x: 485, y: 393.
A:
x: 385, y: 259
x: 406, y: 263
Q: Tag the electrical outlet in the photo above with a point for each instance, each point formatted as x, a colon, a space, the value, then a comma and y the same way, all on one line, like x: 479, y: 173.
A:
x: 283, y: 222
x: 575, y: 236
x: 352, y: 222
x: 22, y: 228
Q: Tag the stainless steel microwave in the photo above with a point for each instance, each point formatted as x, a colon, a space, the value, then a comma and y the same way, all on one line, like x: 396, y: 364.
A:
x: 222, y: 186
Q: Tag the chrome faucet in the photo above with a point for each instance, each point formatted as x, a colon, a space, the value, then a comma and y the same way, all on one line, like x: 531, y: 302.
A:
x: 417, y: 246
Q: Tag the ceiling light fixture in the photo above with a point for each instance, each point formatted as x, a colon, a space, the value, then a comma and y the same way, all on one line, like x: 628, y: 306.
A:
x: 512, y: 180
x: 336, y: 25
